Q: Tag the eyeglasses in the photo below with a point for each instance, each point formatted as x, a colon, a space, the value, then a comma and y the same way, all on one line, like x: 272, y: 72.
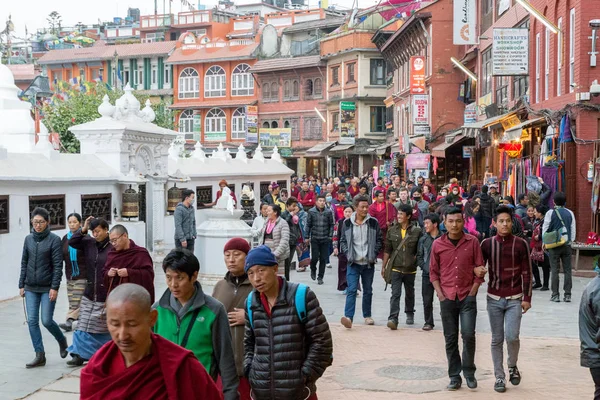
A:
x: 38, y: 222
x: 113, y: 241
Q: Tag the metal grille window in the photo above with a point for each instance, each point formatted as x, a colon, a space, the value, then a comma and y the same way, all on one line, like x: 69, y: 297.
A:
x: 55, y: 205
x: 377, y: 119
x: 294, y: 124
x: 97, y: 205
x: 214, y: 82
x: 238, y: 124
x: 378, y: 72
x: 351, y: 78
x: 486, y: 72
x: 4, y: 215
x: 274, y: 92
x: 203, y: 195
x: 282, y: 184
x: 317, y: 88
x: 313, y: 129
x: 242, y: 83
x: 189, y: 83
x: 335, y: 76
x: 266, y: 92
x: 264, y: 189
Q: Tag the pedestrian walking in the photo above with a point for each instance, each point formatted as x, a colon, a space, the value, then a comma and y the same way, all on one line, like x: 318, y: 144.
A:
x: 287, y: 342
x: 432, y: 232
x: 561, y: 220
x: 196, y: 321
x: 539, y: 256
x: 487, y: 207
x: 75, y: 272
x: 400, y: 260
x: 455, y: 258
x: 92, y: 332
x: 185, y: 221
x: 384, y: 212
x: 342, y: 285
x: 258, y: 224
x: 360, y: 241
x: 276, y: 234
x: 290, y: 215
x: 273, y: 198
x: 509, y: 294
x: 319, y: 230
x: 589, y: 326
x: 39, y: 281
x: 232, y: 291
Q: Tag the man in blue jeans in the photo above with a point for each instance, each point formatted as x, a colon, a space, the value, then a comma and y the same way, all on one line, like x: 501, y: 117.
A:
x: 360, y: 241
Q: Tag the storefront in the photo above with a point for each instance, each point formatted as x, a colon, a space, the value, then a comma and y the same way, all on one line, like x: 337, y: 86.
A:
x: 316, y: 159
x: 452, y: 159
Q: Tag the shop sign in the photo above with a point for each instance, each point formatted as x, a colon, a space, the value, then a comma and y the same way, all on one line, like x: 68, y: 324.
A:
x: 483, y: 102
x: 510, y: 121
x: 286, y: 152
x: 417, y: 161
x: 417, y: 75
x: 420, y: 109
x: 251, y: 124
x: 510, y: 52
x: 465, y: 19
x: 468, y: 151
x: 471, y: 113
x: 424, y: 173
x: 419, y: 130
x: 280, y: 137
x: 347, y: 122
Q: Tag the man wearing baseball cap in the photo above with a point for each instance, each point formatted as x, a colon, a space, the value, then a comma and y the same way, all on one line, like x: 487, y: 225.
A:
x: 287, y: 342
x: 232, y: 291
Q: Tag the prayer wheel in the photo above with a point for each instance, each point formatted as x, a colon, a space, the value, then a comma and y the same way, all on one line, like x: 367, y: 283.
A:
x: 131, y: 203
x: 173, y: 198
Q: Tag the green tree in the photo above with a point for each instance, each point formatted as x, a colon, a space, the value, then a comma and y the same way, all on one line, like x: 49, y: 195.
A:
x: 54, y: 21
x: 74, y: 107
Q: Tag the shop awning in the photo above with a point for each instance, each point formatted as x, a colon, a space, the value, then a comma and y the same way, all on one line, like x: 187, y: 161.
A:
x: 389, y: 101
x: 316, y: 150
x: 515, y: 131
x: 472, y: 130
x: 440, y: 149
x: 341, y: 147
x: 379, y: 149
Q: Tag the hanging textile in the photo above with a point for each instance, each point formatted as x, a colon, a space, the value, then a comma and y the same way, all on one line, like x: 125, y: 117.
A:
x: 565, y: 130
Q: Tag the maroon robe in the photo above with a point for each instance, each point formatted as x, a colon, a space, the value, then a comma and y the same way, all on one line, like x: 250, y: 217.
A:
x: 138, y: 262
x: 387, y: 213
x: 169, y: 372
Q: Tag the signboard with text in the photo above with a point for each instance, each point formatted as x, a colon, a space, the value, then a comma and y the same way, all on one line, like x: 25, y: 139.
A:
x: 510, y: 52
x: 280, y: 137
x: 420, y: 109
x: 470, y: 113
x: 465, y: 20
x: 252, y: 124
x: 347, y: 122
x: 468, y: 151
x: 417, y: 75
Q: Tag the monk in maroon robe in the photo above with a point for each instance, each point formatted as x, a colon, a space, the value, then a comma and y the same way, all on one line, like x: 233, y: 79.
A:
x: 384, y: 212
x: 127, y: 262
x: 138, y: 364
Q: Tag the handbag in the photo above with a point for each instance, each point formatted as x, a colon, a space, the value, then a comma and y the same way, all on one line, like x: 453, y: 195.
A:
x: 537, y: 255
x: 555, y: 238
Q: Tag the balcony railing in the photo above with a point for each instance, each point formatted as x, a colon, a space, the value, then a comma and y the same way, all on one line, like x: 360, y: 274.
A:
x: 156, y: 21
x: 193, y: 17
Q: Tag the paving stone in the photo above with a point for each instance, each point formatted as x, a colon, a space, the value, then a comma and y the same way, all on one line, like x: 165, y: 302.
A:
x: 68, y: 385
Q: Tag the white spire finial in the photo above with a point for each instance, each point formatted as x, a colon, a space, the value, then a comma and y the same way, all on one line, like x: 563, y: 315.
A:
x: 199, y: 152
x: 276, y: 156
x: 258, y: 154
x: 106, y: 110
x: 241, y: 153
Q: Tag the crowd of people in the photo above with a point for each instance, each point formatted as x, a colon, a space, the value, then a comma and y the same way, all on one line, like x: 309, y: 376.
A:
x: 260, y: 334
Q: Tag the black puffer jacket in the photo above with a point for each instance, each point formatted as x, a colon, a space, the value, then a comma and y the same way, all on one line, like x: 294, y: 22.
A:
x: 283, y: 358
x: 41, y: 263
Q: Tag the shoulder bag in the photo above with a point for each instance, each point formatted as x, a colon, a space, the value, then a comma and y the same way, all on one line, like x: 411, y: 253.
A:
x: 555, y: 238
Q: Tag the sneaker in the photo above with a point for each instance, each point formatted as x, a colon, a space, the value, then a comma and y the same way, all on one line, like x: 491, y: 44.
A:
x: 319, y: 281
x: 515, y: 375
x: 369, y: 321
x: 410, y: 319
x: 313, y: 275
x: 393, y: 325
x: 329, y: 266
x: 471, y: 382
x: 454, y: 384
x: 567, y: 298
x: 346, y: 322
x: 555, y: 298
x: 536, y: 286
x: 544, y: 289
x: 427, y: 327
x: 500, y: 385
x: 345, y: 292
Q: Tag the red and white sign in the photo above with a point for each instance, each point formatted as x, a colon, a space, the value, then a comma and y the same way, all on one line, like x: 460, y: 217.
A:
x: 420, y: 109
x: 417, y: 75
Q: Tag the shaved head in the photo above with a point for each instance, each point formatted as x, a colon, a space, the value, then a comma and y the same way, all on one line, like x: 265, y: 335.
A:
x: 130, y: 292
x: 118, y: 229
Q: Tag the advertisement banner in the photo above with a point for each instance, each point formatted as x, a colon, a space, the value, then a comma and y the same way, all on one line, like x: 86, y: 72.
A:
x: 197, y: 125
x: 470, y: 113
x: 468, y: 151
x: 417, y: 75
x: 420, y: 109
x: 280, y: 137
x: 417, y: 161
x: 464, y: 27
x: 421, y: 130
x: 510, y: 52
x: 251, y: 124
x: 347, y: 122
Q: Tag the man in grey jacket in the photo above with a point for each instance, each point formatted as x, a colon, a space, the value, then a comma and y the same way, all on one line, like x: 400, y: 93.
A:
x: 360, y: 241
x: 185, y: 221
x: 432, y: 232
x: 589, y: 330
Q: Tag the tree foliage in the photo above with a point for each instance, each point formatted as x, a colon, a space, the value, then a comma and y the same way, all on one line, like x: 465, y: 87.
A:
x: 71, y: 107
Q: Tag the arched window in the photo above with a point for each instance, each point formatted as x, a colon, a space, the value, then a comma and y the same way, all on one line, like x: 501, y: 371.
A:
x: 242, y: 83
x: 215, y: 128
x: 238, y: 124
x: 275, y: 91
x: 286, y: 90
x: 266, y: 125
x: 286, y: 124
x: 317, y: 87
x: 295, y: 90
x: 266, y: 92
x: 308, y: 88
x: 214, y: 82
x: 189, y: 84
x: 186, y: 121
x: 274, y: 125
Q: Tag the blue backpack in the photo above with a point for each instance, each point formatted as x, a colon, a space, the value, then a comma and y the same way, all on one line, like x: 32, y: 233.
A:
x: 299, y: 302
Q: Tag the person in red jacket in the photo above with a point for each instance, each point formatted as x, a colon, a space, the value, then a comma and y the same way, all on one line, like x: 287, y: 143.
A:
x: 306, y: 197
x: 353, y: 189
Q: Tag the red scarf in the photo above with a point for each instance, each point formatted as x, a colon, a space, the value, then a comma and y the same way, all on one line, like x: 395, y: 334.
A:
x: 138, y: 262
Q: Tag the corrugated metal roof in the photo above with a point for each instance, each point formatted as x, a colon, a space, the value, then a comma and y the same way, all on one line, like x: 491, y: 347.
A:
x: 287, y: 63
x: 316, y: 24
x: 212, y: 54
x: 106, y: 52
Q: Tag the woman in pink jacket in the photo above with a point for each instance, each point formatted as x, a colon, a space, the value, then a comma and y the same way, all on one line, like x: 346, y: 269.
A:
x: 471, y: 209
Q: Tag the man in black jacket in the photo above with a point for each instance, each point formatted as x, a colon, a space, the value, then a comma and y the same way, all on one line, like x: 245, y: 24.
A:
x: 589, y: 328
x: 432, y: 232
x: 284, y: 354
x: 487, y: 207
x: 319, y: 230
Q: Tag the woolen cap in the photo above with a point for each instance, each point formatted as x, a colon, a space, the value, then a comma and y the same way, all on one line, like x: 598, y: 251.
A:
x: 237, y: 243
x: 261, y: 255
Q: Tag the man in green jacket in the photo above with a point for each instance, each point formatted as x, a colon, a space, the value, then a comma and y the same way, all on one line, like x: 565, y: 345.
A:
x: 196, y: 321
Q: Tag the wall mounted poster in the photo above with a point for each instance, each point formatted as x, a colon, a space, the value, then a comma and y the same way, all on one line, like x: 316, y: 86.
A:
x: 280, y: 137
x: 251, y: 124
x: 347, y: 122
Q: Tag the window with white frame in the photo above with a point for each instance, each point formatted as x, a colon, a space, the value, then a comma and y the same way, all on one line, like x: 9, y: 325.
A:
x: 214, y: 82
x: 559, y: 58
x: 154, y: 76
x: 215, y: 121
x: 140, y: 74
x: 537, y: 68
x: 242, y: 83
x: 572, y: 50
x: 546, y: 64
x: 486, y: 72
x: 238, y: 124
x: 167, y: 80
x: 186, y: 121
x: 189, y: 84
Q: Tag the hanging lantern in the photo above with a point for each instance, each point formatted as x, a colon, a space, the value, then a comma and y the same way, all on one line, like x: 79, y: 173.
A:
x: 131, y: 203
x: 173, y: 198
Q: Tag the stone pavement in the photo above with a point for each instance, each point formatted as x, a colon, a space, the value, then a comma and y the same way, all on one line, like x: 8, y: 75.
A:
x: 412, y: 365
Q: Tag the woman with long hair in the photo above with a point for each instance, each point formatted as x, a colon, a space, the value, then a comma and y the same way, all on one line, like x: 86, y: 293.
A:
x: 276, y: 234
x: 470, y: 211
x: 539, y: 257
